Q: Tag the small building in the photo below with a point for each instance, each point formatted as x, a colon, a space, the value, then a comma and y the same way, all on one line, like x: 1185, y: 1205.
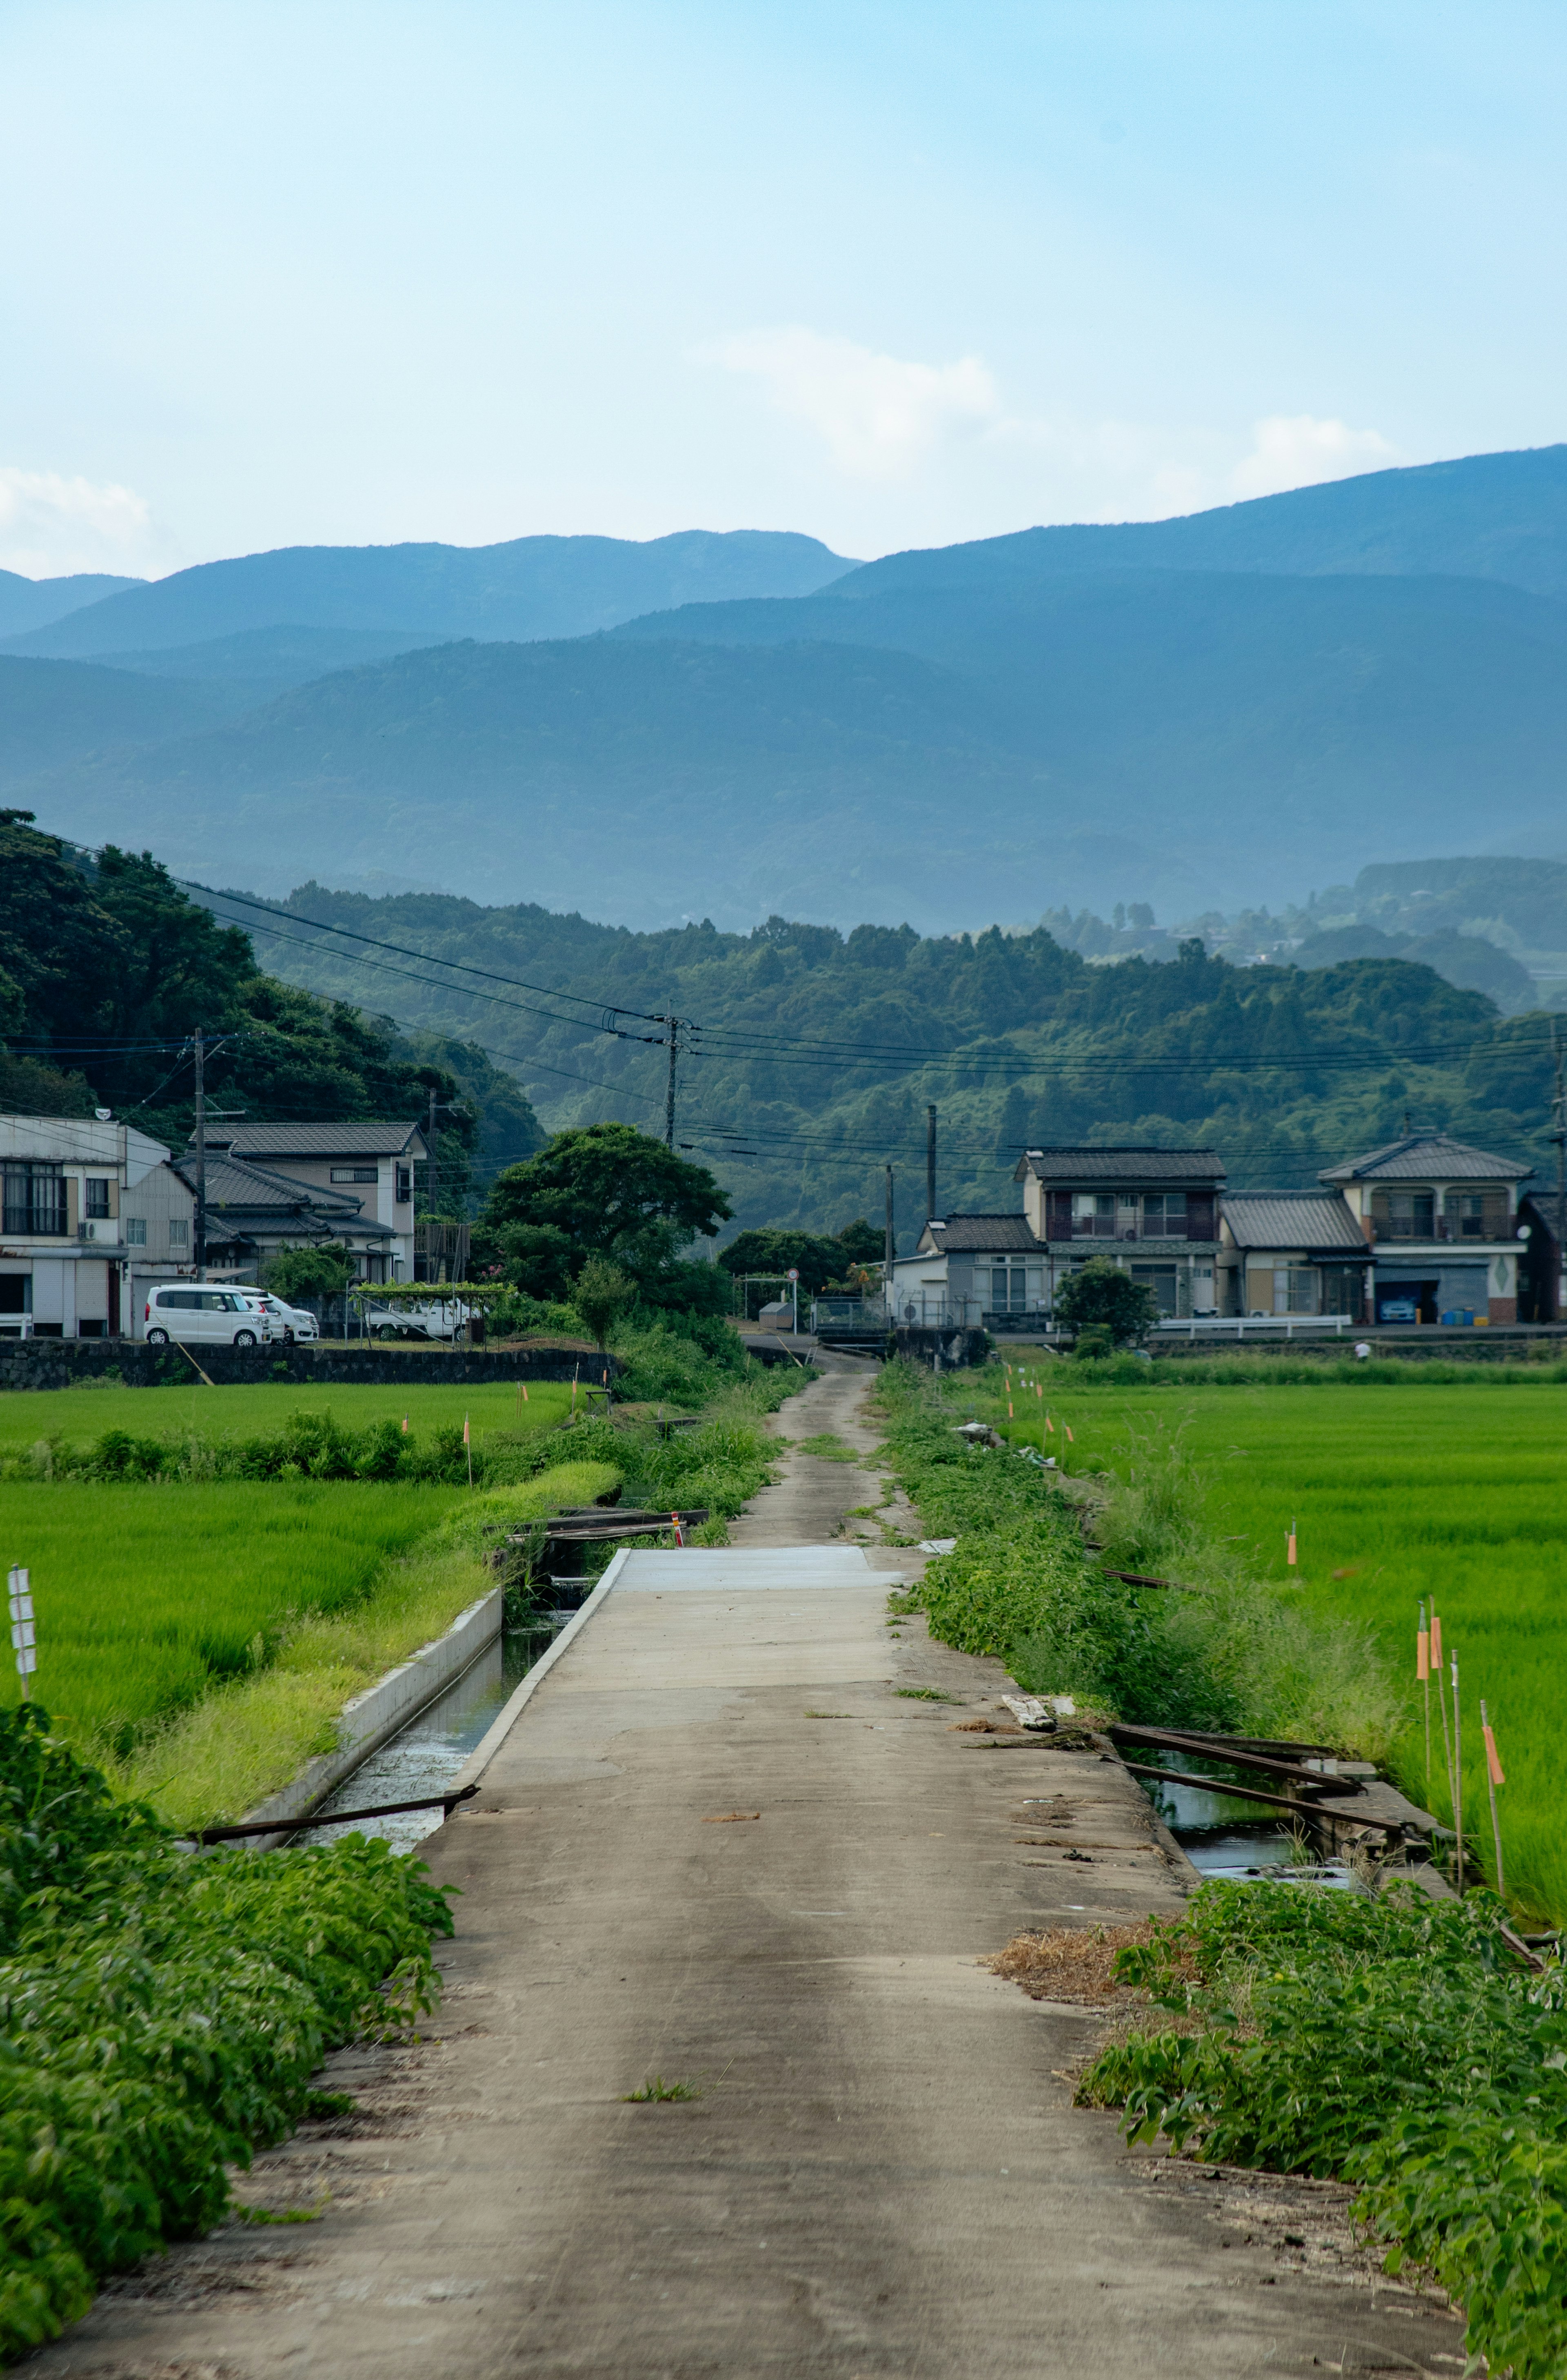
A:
x: 90, y: 1209
x: 1289, y: 1252
x: 1155, y: 1211
x: 988, y: 1271
x: 1441, y: 1222
x: 352, y: 1183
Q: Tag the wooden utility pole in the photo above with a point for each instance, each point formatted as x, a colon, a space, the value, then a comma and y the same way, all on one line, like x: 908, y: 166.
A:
x: 888, y: 1246
x: 931, y: 1165
x: 1558, y: 1134
x: 200, y: 1248
x: 674, y: 1023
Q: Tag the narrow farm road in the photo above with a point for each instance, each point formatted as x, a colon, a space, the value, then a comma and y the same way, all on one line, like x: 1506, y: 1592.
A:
x: 727, y: 1849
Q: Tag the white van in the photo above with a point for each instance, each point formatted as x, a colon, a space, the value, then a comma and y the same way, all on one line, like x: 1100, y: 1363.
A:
x: 220, y: 1317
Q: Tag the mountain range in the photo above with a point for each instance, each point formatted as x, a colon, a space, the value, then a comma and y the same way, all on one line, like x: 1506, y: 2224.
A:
x: 1198, y: 713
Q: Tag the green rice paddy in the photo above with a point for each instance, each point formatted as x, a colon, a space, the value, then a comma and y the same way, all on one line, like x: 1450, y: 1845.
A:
x: 1454, y: 1493
x: 80, y: 1415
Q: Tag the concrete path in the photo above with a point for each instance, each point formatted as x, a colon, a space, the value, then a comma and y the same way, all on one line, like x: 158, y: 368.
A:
x: 725, y: 1845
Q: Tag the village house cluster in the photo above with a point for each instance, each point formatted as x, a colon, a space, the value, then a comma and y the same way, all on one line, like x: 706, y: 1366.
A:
x: 1425, y: 1230
x: 94, y: 1212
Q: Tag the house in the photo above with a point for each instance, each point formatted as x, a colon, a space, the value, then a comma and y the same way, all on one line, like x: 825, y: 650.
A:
x: 90, y: 1209
x: 1441, y: 1222
x: 1153, y: 1210
x: 987, y: 1269
x: 1285, y: 1252
x: 269, y: 1184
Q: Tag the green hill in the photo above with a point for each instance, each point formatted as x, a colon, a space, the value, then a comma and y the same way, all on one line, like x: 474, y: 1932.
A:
x: 69, y: 714
x: 812, y: 1055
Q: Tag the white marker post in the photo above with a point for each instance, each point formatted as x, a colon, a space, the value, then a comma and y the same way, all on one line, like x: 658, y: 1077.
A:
x: 24, y: 1641
x: 795, y: 1299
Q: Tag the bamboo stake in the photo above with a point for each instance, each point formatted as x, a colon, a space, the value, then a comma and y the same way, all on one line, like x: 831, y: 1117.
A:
x: 1493, y: 1779
x: 1423, y: 1678
x: 1458, y: 1779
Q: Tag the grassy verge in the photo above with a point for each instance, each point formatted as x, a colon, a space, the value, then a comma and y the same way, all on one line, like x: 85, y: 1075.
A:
x: 161, y: 2017
x: 1240, y: 1654
x: 1431, y: 1492
x: 1392, y: 2042
x: 241, y: 1742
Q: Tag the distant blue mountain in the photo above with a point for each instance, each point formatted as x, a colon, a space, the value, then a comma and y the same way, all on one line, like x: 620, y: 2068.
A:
x: 33, y: 602
x: 530, y: 587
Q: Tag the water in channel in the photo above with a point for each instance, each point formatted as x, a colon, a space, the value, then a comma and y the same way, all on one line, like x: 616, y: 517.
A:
x: 428, y: 1753
x: 1220, y: 1839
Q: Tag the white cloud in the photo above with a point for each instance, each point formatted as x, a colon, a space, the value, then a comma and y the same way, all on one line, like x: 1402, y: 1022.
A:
x: 879, y: 415
x: 1298, y: 451
x: 51, y: 525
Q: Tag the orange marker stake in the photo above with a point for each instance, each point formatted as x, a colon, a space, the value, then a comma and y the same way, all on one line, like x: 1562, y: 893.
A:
x: 468, y: 1443
x: 1493, y: 1779
x: 1441, y: 1698
x: 404, y: 1424
x: 1289, y: 1547
x: 1068, y: 1427
x: 1423, y: 1678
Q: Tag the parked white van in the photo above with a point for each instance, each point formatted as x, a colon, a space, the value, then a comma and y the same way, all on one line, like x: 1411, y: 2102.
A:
x: 221, y: 1317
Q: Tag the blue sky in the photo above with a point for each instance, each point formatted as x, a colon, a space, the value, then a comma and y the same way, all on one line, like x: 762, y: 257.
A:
x: 339, y: 272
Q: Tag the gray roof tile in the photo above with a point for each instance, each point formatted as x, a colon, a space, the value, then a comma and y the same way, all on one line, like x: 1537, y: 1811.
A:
x: 1428, y: 1156
x: 1291, y: 1219
x: 981, y: 1235
x: 353, y: 1138
x: 1149, y: 1167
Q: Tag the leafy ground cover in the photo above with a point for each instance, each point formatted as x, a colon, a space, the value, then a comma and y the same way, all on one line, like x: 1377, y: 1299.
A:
x: 1453, y: 1493
x: 1392, y: 2041
x: 161, y: 2017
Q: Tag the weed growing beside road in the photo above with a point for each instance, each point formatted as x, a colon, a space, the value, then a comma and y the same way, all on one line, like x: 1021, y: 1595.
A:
x: 160, y: 2016
x: 1396, y: 2043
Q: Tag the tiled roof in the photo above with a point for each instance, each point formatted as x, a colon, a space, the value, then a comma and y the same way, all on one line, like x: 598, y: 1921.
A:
x: 981, y: 1235
x: 236, y: 1190
x: 1130, y: 1165
x: 1428, y: 1156
x: 1291, y: 1219
x: 353, y: 1138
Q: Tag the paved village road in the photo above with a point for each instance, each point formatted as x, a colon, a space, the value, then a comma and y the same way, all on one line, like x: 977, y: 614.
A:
x: 722, y: 1845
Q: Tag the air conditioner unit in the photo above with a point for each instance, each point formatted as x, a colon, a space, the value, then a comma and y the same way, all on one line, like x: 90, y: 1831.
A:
x: 87, y: 1231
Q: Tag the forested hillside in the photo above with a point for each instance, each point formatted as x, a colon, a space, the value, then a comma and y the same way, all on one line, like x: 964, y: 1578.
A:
x: 810, y: 1057
x: 106, y: 968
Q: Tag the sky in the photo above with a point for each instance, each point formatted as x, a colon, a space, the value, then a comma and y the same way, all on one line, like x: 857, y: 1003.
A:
x: 350, y: 273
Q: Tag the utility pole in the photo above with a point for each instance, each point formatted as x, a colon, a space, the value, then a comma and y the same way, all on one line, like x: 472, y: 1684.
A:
x: 1558, y: 1134
x: 674, y: 1023
x: 931, y: 1165
x: 1561, y: 1170
x: 201, y: 1155
x: 887, y: 1264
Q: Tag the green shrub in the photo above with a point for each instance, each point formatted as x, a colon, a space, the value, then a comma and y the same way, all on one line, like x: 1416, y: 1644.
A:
x: 160, y: 2016
x: 1394, y: 2042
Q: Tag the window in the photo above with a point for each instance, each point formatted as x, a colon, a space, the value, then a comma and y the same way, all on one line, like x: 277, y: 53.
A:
x: 179, y: 1232
x: 1411, y: 1214
x: 1009, y: 1288
x: 405, y: 1184
x: 355, y: 1173
x: 1165, y: 1215
x: 1093, y: 1214
x: 184, y: 1301
x: 34, y: 1202
x: 95, y: 1191
x: 136, y: 1231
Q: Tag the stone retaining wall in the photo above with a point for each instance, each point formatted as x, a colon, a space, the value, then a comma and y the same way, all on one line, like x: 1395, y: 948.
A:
x: 64, y: 1363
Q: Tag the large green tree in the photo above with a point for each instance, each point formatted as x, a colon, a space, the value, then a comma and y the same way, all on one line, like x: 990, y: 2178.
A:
x: 607, y: 1190
x: 817, y: 1258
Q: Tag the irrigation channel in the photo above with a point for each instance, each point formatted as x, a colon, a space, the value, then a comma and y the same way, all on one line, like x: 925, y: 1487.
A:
x: 423, y: 1759
x: 1220, y: 1840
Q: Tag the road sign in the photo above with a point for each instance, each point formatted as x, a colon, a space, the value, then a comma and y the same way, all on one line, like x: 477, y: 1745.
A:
x: 793, y: 1274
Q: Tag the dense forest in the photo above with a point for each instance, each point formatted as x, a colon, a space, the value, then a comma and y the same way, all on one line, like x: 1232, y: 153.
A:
x: 106, y: 968
x: 808, y: 1058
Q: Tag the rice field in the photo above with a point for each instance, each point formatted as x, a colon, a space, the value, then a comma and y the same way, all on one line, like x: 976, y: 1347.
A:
x: 148, y: 1597
x: 81, y: 1414
x: 1454, y: 1493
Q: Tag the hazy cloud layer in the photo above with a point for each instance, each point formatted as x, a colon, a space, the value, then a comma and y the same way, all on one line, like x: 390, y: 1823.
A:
x: 52, y: 526
x: 879, y: 415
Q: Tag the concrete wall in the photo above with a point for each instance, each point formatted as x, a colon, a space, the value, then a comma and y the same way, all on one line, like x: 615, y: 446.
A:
x: 377, y: 1715
x: 58, y: 1363
x: 954, y: 1347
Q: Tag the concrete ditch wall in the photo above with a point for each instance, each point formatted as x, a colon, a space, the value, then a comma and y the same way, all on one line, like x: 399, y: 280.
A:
x: 66, y: 1363
x: 373, y: 1717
